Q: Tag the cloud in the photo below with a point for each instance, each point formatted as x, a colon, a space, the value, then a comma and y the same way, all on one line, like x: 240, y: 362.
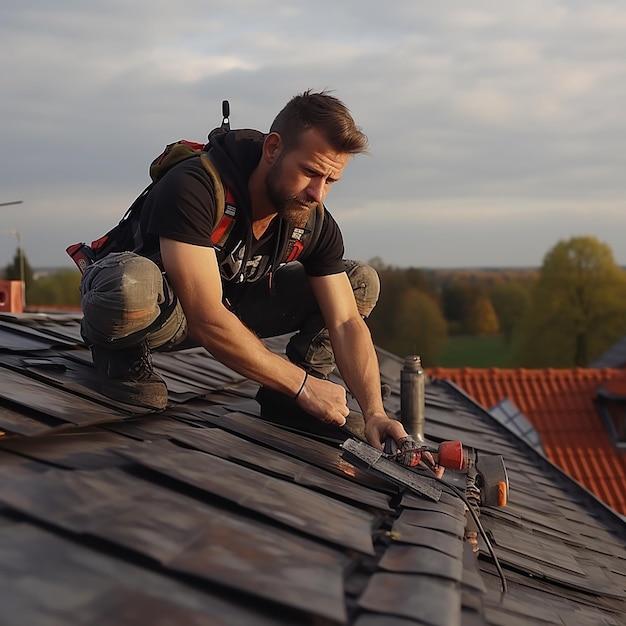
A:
x: 485, y: 120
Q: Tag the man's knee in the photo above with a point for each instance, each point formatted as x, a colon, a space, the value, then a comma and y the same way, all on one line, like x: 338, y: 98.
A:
x: 120, y: 295
x: 365, y: 284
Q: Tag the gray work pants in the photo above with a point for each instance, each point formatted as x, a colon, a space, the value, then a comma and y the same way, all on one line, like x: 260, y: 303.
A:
x: 126, y: 299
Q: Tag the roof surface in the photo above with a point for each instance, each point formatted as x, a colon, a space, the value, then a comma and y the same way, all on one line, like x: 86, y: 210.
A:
x: 208, y: 514
x: 615, y: 356
x: 561, y: 405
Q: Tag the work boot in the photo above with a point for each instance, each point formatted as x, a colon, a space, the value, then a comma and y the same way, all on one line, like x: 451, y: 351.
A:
x: 128, y: 376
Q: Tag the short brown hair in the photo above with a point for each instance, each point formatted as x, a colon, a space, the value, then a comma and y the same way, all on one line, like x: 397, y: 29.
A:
x: 326, y: 114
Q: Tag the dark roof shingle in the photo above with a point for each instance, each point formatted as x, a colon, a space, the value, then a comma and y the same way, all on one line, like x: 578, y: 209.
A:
x: 209, y: 514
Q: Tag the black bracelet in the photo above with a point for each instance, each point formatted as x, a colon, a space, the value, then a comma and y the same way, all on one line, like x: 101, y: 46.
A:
x: 306, y: 377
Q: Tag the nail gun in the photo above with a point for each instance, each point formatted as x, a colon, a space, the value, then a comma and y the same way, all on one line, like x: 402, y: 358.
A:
x: 491, y: 474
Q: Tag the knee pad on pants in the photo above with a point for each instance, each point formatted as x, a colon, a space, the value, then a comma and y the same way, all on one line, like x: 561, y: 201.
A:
x: 365, y: 284
x: 120, y: 295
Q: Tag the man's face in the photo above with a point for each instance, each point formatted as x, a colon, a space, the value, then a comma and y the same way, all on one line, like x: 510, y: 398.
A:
x: 301, y: 177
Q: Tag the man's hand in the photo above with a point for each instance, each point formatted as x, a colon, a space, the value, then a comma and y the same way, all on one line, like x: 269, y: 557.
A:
x: 379, y: 427
x: 355, y: 355
x: 324, y: 400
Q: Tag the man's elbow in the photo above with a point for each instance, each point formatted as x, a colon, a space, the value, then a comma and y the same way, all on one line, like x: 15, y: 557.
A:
x: 354, y: 326
x: 195, y: 334
x: 203, y: 328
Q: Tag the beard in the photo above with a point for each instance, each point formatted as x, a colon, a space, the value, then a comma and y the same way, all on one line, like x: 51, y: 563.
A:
x: 292, y: 208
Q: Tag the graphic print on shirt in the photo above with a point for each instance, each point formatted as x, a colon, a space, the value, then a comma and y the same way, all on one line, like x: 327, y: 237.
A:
x: 231, y: 265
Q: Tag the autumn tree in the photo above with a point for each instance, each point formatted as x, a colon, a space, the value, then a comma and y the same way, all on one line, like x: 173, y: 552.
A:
x: 578, y: 306
x: 481, y: 317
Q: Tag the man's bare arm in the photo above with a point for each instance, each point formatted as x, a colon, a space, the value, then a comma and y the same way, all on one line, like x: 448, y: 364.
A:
x: 355, y: 355
x: 194, y: 275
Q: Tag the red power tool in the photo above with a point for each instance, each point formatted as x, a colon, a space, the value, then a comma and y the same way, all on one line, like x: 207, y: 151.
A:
x: 449, y: 454
x: 491, y: 474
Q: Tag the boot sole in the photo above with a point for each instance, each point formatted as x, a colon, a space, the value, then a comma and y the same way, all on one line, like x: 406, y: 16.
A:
x: 157, y: 401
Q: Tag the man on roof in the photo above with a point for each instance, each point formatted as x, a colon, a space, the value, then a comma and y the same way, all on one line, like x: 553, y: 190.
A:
x: 186, y: 286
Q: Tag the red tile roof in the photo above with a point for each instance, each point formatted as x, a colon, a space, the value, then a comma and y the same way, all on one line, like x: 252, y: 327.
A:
x: 560, y: 405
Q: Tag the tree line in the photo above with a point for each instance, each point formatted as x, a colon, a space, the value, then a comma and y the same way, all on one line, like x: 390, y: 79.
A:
x: 564, y: 314
x: 59, y: 288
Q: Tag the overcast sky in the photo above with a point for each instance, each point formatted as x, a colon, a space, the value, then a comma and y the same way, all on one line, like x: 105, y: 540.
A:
x: 497, y: 128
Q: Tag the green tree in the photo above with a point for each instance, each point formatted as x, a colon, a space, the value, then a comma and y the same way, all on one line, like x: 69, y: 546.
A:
x: 461, y: 301
x: 13, y: 271
x: 578, y: 306
x: 511, y: 302
x: 453, y: 303
x: 394, y: 282
x: 419, y: 327
x: 60, y: 288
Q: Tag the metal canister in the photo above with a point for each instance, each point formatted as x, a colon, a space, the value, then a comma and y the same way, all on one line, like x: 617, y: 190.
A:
x: 412, y: 397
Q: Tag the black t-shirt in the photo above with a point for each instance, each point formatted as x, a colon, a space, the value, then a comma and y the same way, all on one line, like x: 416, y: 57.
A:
x: 181, y: 206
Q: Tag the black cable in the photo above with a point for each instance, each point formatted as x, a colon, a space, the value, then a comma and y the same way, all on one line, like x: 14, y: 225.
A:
x: 461, y: 495
x: 456, y: 491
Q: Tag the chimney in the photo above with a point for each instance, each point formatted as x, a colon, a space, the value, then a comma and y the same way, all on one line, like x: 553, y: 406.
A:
x: 11, y: 298
x: 412, y: 397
